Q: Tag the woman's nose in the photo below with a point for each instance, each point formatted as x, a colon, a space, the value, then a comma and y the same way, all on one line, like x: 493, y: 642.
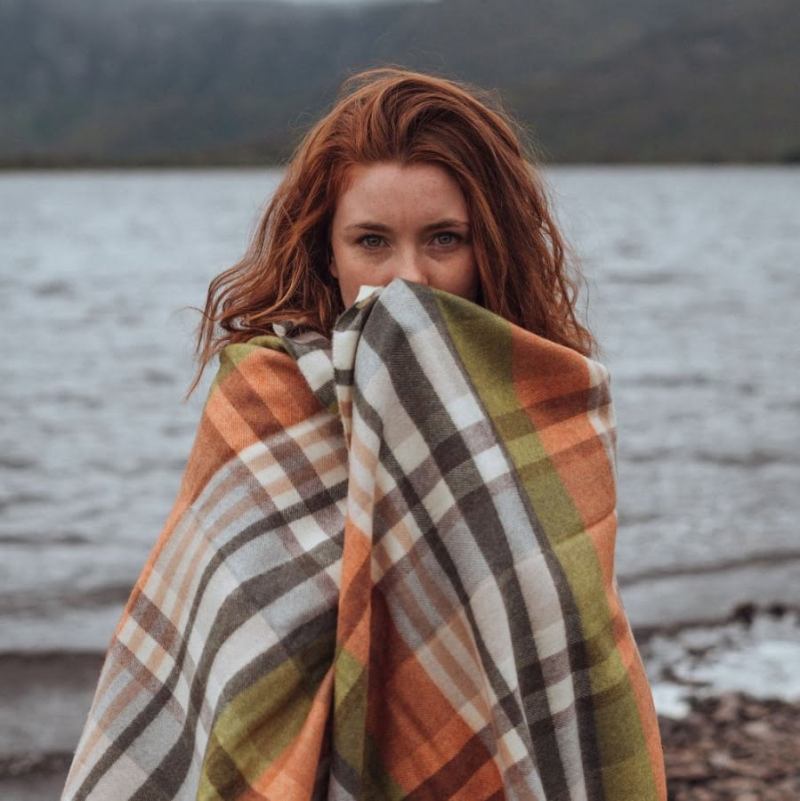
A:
x: 411, y: 266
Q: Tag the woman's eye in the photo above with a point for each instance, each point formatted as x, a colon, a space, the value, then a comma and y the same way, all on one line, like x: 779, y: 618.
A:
x: 450, y: 238
x: 369, y: 240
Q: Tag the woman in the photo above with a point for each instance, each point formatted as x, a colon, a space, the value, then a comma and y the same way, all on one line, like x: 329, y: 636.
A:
x: 389, y: 569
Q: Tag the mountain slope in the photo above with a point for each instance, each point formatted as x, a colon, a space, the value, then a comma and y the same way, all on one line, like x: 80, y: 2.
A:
x: 608, y: 80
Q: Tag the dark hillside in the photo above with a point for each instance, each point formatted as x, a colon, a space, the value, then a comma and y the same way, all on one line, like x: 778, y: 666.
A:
x: 226, y: 82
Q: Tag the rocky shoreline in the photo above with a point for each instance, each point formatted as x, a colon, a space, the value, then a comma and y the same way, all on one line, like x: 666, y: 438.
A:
x: 728, y: 698
x: 733, y: 747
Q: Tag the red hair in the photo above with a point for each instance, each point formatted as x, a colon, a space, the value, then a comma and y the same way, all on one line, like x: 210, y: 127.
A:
x: 393, y: 114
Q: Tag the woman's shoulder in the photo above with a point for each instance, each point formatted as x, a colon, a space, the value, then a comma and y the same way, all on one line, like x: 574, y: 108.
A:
x: 260, y: 349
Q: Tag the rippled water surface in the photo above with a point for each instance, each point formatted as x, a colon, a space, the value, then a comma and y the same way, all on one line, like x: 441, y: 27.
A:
x: 693, y: 289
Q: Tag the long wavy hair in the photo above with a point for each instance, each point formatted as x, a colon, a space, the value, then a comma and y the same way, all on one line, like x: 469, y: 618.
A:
x: 390, y: 113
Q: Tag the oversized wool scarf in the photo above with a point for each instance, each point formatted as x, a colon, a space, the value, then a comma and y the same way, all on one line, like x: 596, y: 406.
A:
x: 388, y: 575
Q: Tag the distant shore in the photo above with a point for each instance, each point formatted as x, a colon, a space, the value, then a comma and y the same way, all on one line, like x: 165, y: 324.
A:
x: 279, y: 162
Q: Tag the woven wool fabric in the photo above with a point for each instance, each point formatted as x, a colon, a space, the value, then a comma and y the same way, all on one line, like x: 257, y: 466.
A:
x: 388, y: 574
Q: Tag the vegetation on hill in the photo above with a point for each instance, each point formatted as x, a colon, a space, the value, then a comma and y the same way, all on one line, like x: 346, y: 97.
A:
x: 155, y: 82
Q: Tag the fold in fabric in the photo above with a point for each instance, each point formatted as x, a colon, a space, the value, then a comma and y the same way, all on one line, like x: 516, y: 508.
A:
x: 388, y: 574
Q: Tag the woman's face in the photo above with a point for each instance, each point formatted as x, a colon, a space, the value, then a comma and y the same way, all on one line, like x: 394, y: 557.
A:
x: 407, y: 221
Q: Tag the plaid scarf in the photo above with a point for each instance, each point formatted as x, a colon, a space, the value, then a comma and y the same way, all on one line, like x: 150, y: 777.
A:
x: 388, y: 574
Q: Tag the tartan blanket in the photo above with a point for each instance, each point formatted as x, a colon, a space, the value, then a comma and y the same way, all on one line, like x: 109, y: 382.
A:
x: 388, y: 574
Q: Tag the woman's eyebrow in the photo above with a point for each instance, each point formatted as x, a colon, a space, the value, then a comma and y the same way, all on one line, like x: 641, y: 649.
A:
x: 445, y: 223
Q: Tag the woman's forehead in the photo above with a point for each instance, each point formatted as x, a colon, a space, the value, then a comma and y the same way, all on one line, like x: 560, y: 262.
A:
x: 394, y: 190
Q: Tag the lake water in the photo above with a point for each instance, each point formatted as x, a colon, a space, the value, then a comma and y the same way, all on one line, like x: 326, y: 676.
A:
x: 693, y: 288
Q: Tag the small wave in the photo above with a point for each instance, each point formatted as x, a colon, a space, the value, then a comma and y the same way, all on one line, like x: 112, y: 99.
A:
x: 67, y: 538
x: 143, y: 467
x: 645, y: 279
x: 790, y: 405
x: 644, y: 457
x: 746, y: 562
x: 23, y: 498
x: 758, y: 457
x: 54, y: 288
x: 172, y: 429
x: 35, y: 602
x: 154, y: 376
x: 58, y: 659
x: 70, y: 397
x: 637, y: 519
x: 673, y: 381
x: 14, y: 766
x: 629, y: 248
x: 12, y: 462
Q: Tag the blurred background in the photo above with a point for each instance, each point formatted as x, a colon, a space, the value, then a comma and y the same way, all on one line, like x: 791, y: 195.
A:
x: 139, y: 143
